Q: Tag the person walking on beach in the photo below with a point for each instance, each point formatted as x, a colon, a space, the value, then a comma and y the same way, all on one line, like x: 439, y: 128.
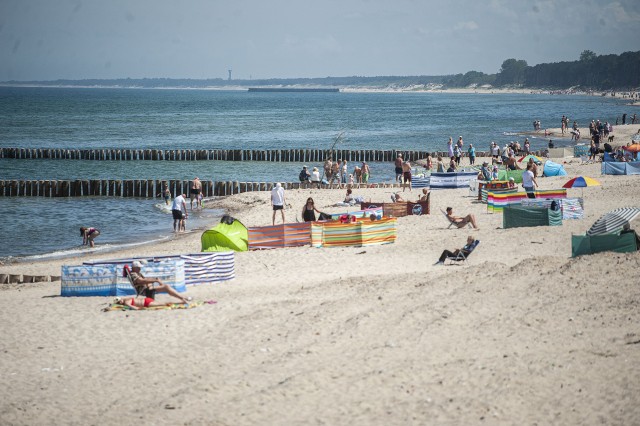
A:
x: 194, y: 193
x: 179, y: 211
x: 277, y: 201
x: 344, y: 172
x: 406, y: 174
x: 528, y: 181
x: 457, y: 153
x: 398, y: 168
x: 450, y: 147
x: 88, y: 235
x: 471, y: 151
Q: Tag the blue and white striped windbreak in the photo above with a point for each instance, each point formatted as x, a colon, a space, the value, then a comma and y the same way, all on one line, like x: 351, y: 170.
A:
x: 614, y: 221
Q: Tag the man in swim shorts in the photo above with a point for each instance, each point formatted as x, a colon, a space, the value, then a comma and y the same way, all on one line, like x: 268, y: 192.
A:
x: 196, y: 188
x: 406, y: 174
x: 398, y: 168
x: 177, y: 207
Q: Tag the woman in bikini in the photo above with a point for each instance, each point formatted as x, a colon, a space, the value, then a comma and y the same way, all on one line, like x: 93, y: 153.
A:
x: 88, y: 235
x: 137, y: 304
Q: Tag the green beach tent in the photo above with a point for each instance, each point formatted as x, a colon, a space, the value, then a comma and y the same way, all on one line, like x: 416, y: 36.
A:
x: 229, y: 234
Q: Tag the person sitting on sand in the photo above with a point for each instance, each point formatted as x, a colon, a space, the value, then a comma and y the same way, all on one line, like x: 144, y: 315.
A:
x: 485, y: 172
x: 452, y: 165
x: 471, y: 243
x: 512, y: 183
x: 140, y: 280
x: 425, y: 195
x: 348, y: 198
x: 512, y: 164
x: 309, y: 211
x: 88, y: 235
x: 460, y: 221
x: 398, y: 198
x: 137, y: 304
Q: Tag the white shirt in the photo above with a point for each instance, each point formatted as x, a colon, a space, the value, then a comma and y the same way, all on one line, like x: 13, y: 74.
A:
x: 277, y: 196
x: 177, y: 203
x: 315, y: 176
x: 527, y: 179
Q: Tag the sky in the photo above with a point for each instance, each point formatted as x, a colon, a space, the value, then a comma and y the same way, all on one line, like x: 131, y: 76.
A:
x: 261, y: 39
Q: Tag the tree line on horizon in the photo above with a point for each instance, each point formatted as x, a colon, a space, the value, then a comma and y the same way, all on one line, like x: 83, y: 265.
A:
x: 589, y: 72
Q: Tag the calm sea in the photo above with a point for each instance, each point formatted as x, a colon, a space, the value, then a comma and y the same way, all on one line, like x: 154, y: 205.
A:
x: 199, y: 119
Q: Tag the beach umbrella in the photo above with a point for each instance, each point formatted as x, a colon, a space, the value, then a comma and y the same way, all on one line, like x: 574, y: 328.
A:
x: 614, y: 221
x: 526, y: 158
x: 581, y: 182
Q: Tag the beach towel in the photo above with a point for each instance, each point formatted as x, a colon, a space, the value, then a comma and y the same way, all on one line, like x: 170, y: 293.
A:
x: 190, y: 305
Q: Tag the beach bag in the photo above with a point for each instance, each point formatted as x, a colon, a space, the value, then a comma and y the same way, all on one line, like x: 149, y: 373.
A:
x: 324, y: 216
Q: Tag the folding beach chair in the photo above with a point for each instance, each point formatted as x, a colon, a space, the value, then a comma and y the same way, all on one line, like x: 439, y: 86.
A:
x: 452, y: 223
x: 461, y: 257
x: 140, y: 290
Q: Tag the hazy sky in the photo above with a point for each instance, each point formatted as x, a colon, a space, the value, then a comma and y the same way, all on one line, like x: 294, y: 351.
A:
x: 77, y: 39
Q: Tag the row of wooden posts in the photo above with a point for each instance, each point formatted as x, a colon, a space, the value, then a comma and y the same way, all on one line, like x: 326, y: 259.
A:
x: 148, y: 188
x: 272, y: 155
x: 24, y: 278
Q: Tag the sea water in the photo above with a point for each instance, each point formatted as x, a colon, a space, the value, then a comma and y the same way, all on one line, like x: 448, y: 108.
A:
x: 210, y: 119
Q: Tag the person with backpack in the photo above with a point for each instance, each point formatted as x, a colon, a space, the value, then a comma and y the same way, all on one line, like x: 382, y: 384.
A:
x: 304, y: 176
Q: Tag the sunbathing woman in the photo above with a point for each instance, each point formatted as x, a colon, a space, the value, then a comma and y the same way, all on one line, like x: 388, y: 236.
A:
x: 461, y: 221
x: 137, y: 304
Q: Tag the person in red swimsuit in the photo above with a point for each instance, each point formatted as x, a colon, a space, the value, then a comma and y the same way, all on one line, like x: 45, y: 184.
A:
x: 138, y: 304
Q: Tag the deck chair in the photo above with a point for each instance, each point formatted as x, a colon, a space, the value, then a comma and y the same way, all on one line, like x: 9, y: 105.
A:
x: 140, y: 291
x: 452, y: 223
x: 461, y: 257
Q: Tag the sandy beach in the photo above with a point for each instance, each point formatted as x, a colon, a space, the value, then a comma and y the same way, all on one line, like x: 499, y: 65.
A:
x: 521, y: 334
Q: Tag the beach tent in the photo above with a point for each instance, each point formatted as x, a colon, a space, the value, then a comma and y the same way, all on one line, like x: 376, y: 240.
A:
x: 229, y: 234
x: 589, y: 244
x: 520, y: 216
x: 553, y: 169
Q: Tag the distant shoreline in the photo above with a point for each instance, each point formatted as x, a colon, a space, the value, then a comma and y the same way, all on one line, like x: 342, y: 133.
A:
x: 345, y: 89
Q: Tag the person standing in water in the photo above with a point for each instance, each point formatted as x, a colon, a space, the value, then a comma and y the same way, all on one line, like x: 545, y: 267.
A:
x: 88, y: 235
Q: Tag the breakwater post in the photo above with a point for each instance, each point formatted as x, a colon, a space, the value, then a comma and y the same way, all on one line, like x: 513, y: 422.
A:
x: 145, y: 188
x: 277, y: 155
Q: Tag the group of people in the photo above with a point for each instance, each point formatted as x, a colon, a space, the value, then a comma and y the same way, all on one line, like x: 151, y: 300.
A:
x: 336, y: 172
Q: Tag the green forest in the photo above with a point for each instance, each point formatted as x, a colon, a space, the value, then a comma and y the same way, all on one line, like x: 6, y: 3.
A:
x: 589, y: 72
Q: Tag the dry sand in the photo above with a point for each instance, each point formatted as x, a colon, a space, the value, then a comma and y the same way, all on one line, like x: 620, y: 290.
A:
x: 522, y: 334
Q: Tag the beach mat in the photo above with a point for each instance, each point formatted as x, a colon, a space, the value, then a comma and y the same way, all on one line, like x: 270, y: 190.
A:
x: 190, y: 305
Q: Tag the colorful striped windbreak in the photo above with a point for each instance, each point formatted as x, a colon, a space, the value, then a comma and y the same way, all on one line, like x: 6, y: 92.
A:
x: 278, y: 236
x: 496, y: 201
x: 361, y: 233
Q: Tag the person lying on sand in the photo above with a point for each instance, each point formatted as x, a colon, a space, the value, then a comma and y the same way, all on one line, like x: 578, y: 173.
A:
x: 138, y: 304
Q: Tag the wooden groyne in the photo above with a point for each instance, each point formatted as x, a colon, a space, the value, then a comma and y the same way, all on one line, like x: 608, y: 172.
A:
x: 147, y: 188
x: 272, y: 155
